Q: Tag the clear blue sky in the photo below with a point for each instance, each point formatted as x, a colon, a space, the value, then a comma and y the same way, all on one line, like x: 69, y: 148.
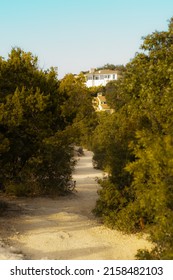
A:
x: 75, y: 35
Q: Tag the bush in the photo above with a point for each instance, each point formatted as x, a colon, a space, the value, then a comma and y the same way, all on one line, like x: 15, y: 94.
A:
x: 136, y: 142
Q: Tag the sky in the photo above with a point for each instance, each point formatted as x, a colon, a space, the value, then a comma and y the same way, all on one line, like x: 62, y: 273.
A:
x: 76, y: 35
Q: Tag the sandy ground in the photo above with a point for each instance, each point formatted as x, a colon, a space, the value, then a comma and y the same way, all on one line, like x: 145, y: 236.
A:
x: 64, y: 228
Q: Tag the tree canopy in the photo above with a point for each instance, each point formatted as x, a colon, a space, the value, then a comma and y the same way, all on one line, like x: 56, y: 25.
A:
x: 135, y: 146
x: 37, y: 131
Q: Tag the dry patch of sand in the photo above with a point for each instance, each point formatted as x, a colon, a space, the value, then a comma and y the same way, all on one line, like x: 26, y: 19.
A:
x: 65, y: 228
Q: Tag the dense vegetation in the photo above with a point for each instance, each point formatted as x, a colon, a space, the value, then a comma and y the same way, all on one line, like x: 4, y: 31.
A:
x: 40, y: 119
x: 135, y: 146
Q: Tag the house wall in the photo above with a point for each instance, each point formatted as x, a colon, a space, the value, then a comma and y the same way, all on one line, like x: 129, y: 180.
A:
x: 99, y: 79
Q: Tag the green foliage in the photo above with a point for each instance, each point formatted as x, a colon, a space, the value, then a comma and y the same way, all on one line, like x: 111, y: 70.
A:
x: 114, y: 94
x: 119, y: 68
x: 78, y: 111
x: 40, y: 120
x: 162, y: 235
x: 34, y: 155
x: 135, y: 146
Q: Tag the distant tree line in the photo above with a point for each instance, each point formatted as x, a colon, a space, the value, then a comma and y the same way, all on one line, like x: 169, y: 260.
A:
x: 120, y: 68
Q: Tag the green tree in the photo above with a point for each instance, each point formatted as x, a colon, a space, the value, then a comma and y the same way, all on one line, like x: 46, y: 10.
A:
x: 141, y: 194
x: 32, y: 127
x: 78, y: 111
x: 119, y: 68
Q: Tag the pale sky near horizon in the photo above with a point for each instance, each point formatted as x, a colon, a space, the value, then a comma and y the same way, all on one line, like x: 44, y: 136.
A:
x: 76, y: 35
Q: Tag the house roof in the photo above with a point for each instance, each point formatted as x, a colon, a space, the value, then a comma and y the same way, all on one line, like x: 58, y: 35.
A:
x: 102, y: 72
x: 101, y: 97
x: 105, y: 106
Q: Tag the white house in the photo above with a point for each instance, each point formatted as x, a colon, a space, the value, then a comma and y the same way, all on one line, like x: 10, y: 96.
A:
x: 100, y: 77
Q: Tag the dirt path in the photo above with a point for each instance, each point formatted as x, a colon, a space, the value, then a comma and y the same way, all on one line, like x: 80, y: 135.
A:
x: 65, y: 228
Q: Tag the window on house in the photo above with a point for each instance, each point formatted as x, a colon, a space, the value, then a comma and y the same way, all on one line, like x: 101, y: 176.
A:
x: 89, y: 78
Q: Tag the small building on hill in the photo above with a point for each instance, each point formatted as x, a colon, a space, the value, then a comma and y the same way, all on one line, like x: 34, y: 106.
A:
x: 100, y: 104
x: 96, y: 78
